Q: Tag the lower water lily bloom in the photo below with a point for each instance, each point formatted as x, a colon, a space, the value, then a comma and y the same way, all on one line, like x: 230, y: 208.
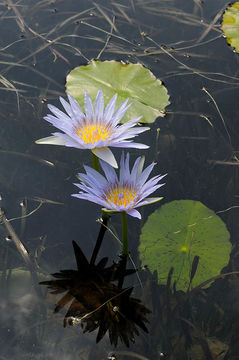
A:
x: 96, y: 129
x: 123, y: 194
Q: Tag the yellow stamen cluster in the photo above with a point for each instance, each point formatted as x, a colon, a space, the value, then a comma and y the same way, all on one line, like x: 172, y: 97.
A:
x: 122, y: 196
x: 92, y: 133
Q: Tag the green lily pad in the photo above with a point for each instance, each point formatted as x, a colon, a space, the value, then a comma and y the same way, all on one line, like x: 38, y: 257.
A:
x: 146, y: 93
x: 178, y: 231
x: 230, y: 25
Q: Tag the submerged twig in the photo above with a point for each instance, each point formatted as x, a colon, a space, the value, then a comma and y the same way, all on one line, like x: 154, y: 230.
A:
x: 219, y: 112
x: 22, y: 251
x: 29, y: 156
x: 107, y: 40
x: 127, y: 353
x: 19, y: 19
x: 210, y: 26
x: 194, y: 71
x: 107, y: 18
x: 220, y: 276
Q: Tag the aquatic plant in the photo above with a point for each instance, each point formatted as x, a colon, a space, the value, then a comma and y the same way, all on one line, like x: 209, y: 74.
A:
x: 180, y: 233
x: 148, y: 95
x: 230, y: 25
x: 96, y: 129
x: 123, y: 194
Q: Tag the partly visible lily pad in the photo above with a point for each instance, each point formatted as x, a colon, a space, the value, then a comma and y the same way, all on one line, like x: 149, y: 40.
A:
x: 177, y: 232
x: 230, y: 25
x: 146, y: 93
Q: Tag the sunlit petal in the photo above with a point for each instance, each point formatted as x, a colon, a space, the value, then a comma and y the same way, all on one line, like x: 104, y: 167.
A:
x: 52, y: 140
x: 106, y: 155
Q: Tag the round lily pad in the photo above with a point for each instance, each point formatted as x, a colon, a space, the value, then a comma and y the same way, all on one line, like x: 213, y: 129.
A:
x: 146, y: 93
x: 177, y: 232
x: 230, y: 25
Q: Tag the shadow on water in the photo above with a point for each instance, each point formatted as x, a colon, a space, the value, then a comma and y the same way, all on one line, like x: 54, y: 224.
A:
x: 196, y: 144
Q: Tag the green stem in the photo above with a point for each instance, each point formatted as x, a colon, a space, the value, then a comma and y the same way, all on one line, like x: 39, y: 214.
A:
x: 124, y: 233
x: 95, y: 161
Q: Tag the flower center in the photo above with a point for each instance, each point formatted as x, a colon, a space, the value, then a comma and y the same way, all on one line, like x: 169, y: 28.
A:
x: 121, y: 196
x: 92, y: 133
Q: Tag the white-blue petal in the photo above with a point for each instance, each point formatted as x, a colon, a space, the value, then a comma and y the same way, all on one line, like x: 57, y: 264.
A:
x: 109, y: 110
x: 76, y: 109
x: 148, y: 201
x: 51, y: 140
x: 89, y: 110
x: 99, y: 105
x: 58, y: 113
x: 66, y: 106
x: 134, y: 213
x: 105, y: 154
x: 145, y: 174
x: 109, y: 172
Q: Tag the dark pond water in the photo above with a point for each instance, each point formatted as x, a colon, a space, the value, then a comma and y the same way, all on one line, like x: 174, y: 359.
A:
x: 181, y: 43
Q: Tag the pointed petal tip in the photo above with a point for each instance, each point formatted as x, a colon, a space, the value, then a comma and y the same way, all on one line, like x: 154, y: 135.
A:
x: 51, y: 140
x: 106, y: 155
x: 134, y: 213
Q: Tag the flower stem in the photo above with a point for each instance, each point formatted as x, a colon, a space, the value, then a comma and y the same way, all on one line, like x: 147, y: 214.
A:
x: 95, y: 161
x: 105, y: 218
x: 125, y: 253
x: 124, y: 233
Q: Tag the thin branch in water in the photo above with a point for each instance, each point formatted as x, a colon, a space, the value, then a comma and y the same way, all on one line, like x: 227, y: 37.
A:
x: 206, y: 118
x: 200, y: 44
x: 127, y: 353
x: 11, y: 87
x: 29, y: 156
x: 220, y: 276
x: 210, y: 26
x: 19, y: 19
x: 107, y: 32
x: 119, y: 7
x: 107, y: 18
x: 69, y: 19
x: 220, y: 162
x: 26, y: 215
x: 219, y: 112
x: 41, y: 202
x: 22, y: 251
x: 13, y: 43
x: 107, y: 40
x: 194, y: 71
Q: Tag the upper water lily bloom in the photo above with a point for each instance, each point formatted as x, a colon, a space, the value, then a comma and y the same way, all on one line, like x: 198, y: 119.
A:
x: 96, y: 129
x: 122, y: 194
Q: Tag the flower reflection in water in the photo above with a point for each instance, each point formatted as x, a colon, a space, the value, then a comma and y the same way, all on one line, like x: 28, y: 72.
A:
x: 96, y: 301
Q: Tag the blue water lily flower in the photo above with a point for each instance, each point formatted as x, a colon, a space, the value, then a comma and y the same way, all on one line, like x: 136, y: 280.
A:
x: 96, y: 129
x: 122, y: 194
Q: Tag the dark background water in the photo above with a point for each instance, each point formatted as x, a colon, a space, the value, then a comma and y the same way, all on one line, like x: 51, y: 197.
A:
x: 41, y: 42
